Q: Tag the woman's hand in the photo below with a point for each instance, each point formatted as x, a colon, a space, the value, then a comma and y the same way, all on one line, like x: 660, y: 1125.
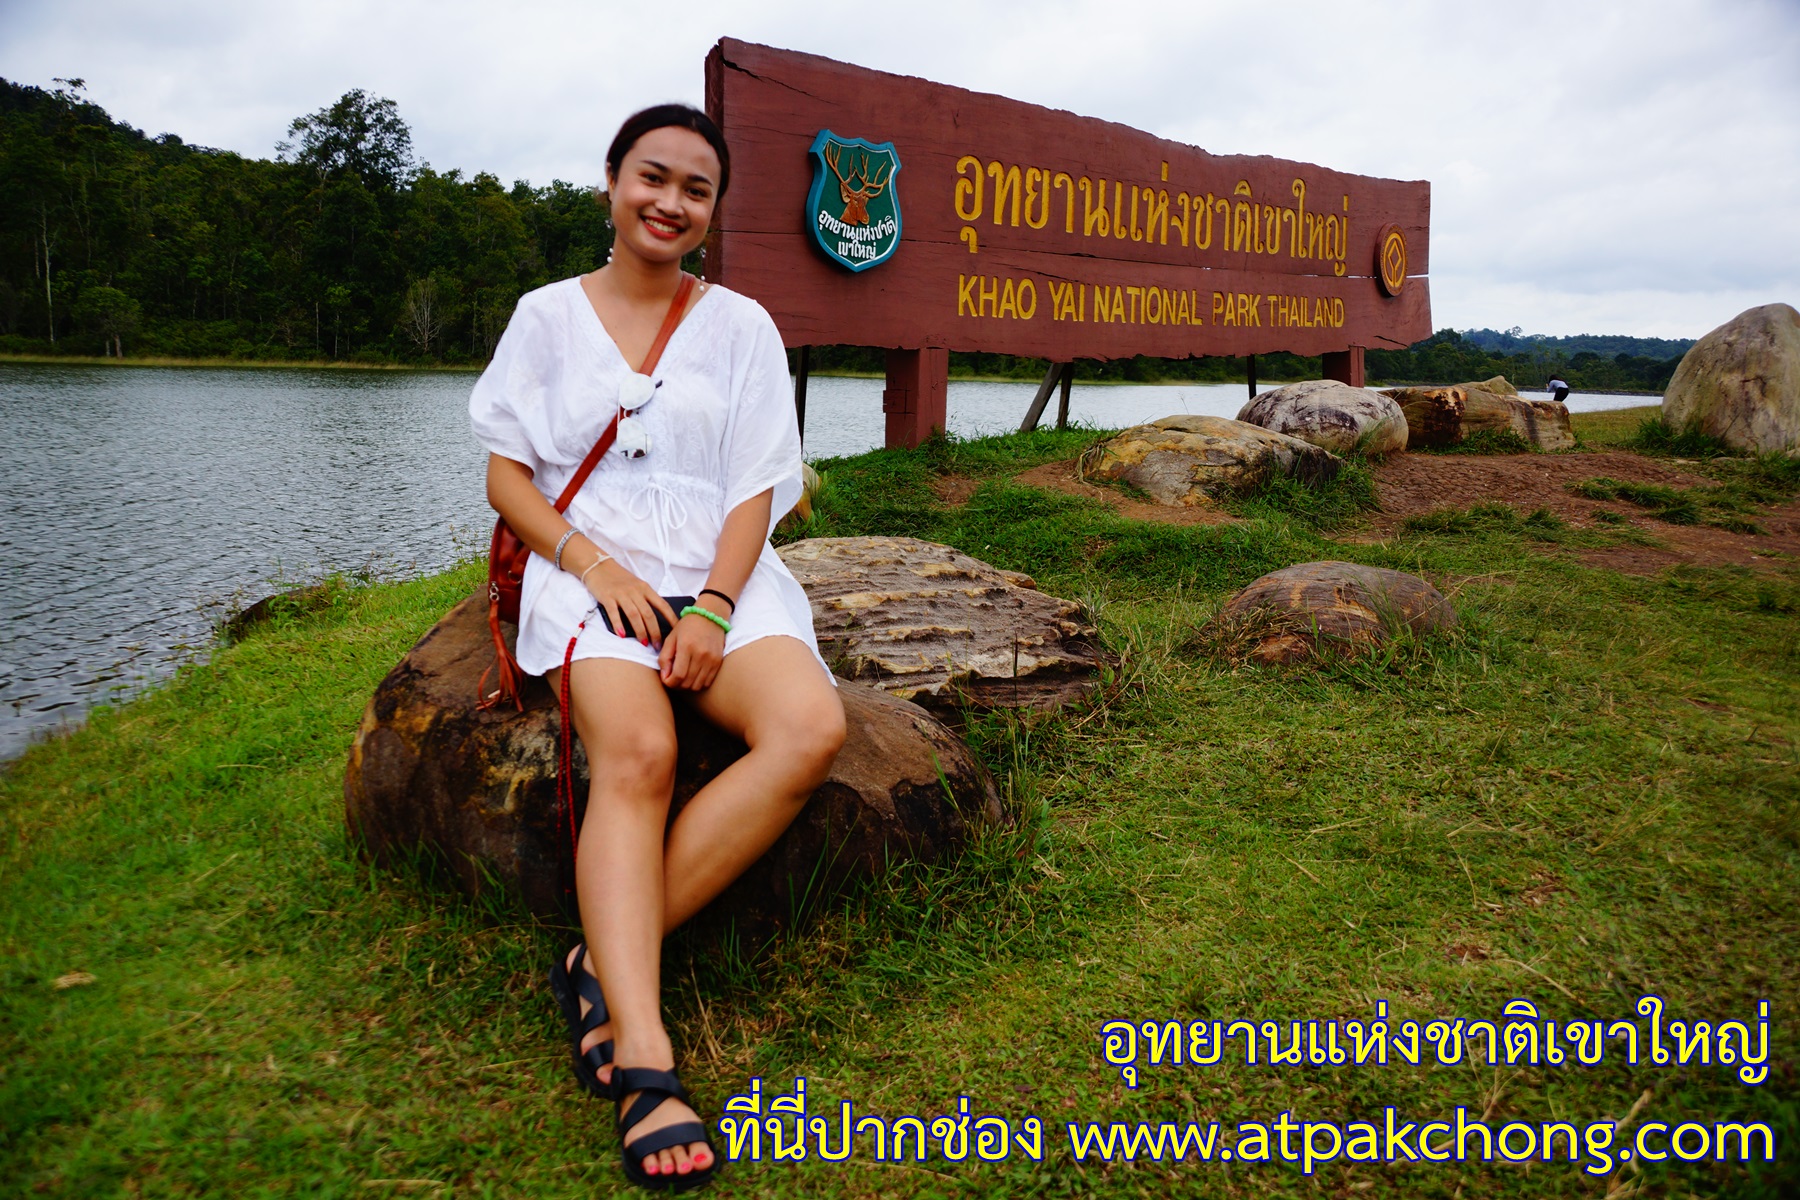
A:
x: 628, y: 600
x: 691, y: 656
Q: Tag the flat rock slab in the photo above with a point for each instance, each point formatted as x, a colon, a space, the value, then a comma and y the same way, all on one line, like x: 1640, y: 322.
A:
x: 1741, y: 382
x: 1190, y: 460
x: 1332, y: 416
x: 477, y: 790
x: 1295, y: 612
x: 929, y: 624
x: 1445, y: 416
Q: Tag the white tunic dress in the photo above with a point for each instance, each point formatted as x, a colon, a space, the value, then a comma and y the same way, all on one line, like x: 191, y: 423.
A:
x: 722, y: 429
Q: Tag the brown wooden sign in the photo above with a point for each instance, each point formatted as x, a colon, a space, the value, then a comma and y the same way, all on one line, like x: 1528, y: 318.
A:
x: 1030, y: 231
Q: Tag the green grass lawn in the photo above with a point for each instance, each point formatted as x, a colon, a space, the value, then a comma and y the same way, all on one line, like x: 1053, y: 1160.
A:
x: 1584, y: 794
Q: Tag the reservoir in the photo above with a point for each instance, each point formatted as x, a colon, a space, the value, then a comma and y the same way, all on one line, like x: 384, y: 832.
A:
x: 141, y: 506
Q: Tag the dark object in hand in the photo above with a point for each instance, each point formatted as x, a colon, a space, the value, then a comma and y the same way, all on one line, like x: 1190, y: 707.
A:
x: 677, y: 603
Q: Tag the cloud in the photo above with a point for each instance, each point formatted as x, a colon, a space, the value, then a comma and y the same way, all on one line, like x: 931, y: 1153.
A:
x: 1595, y: 167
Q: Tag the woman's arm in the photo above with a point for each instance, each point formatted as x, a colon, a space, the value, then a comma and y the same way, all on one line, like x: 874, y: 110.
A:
x: 625, y: 597
x: 695, y: 648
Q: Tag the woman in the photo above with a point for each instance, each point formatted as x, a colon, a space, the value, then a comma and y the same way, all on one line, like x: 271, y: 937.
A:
x: 706, y: 460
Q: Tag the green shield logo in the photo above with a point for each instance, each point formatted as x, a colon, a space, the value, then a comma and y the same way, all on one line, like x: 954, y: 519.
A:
x: 853, y: 209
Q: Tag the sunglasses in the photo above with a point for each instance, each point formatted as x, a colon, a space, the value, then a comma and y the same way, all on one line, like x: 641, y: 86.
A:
x: 635, y: 391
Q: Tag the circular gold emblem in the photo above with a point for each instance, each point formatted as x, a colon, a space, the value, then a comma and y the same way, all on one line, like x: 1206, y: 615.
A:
x: 1390, y: 259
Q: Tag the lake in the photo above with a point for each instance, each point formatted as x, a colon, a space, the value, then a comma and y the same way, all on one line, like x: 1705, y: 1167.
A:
x: 143, y: 505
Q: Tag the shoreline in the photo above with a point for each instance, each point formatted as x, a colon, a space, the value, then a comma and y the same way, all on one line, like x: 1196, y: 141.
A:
x: 260, y: 364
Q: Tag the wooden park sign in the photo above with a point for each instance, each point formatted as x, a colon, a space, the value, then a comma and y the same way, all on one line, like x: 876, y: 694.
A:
x: 882, y: 210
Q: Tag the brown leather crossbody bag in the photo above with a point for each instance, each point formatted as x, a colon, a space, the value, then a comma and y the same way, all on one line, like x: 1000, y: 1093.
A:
x: 508, y: 554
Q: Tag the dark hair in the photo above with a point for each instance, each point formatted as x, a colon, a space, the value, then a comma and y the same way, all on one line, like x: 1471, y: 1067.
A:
x: 661, y: 116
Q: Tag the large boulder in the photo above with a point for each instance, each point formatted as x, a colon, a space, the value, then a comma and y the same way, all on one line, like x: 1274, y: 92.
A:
x: 1334, y: 606
x: 1444, y: 416
x: 1331, y: 415
x: 1192, y: 460
x: 1741, y: 382
x: 929, y: 624
x: 476, y: 790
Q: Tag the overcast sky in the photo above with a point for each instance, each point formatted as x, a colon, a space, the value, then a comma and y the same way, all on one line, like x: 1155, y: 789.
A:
x: 1595, y: 167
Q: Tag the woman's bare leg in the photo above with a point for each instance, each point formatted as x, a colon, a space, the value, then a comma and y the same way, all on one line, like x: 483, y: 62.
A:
x: 622, y: 714
x: 774, y: 695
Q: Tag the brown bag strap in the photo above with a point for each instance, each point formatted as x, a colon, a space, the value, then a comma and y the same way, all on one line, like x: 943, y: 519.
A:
x: 677, y: 307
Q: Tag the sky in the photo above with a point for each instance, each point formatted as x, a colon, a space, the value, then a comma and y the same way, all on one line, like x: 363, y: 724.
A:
x: 1627, y: 168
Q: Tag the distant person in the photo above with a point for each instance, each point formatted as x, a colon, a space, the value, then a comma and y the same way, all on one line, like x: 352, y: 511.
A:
x: 1558, y: 389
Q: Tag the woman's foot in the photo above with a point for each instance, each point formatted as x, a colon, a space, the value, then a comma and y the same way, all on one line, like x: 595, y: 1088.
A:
x: 590, y: 1026
x: 661, y: 1104
x: 601, y: 1033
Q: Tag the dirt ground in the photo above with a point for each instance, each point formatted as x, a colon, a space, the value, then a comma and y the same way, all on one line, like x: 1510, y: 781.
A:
x: 1410, y: 484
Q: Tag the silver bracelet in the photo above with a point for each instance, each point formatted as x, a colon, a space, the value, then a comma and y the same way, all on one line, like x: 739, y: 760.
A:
x: 604, y: 557
x: 561, y: 544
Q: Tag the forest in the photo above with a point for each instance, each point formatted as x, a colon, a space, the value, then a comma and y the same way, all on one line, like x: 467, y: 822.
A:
x: 345, y: 249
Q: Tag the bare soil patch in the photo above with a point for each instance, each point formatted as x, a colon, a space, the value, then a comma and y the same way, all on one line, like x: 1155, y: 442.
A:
x: 954, y: 490
x: 1061, y: 477
x: 1410, y: 484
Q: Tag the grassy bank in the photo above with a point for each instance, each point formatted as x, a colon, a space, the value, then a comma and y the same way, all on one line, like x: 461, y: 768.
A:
x: 1584, y: 794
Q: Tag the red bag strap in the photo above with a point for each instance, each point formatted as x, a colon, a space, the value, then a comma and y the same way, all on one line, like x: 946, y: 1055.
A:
x: 677, y: 307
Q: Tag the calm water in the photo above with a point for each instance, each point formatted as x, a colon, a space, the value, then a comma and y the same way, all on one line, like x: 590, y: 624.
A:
x: 142, y: 505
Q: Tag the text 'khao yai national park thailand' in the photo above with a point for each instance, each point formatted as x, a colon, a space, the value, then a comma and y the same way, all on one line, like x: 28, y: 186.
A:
x: 1104, y: 599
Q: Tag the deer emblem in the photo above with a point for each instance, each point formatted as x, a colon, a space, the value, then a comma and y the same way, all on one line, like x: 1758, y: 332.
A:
x: 858, y: 187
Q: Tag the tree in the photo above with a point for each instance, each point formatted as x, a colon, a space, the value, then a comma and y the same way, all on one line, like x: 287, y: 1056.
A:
x: 110, y: 313
x: 422, y: 314
x: 360, y: 134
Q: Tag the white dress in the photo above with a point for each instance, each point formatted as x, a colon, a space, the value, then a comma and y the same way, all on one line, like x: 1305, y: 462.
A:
x: 722, y: 429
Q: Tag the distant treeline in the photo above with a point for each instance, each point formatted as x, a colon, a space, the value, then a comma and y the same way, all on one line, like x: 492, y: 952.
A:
x: 345, y: 248
x: 1606, y: 345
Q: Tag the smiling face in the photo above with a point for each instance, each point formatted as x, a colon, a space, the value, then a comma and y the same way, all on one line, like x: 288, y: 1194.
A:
x: 663, y: 196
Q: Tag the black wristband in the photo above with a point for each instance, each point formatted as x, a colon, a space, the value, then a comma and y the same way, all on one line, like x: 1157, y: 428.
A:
x: 720, y: 595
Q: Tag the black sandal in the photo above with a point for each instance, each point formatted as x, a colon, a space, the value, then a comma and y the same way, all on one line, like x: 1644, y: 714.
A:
x: 570, y: 992
x: 655, y: 1086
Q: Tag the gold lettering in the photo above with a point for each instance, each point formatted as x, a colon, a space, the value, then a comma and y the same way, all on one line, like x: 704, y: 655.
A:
x: 988, y: 295
x: 1083, y: 292
x: 1092, y: 216
x: 1118, y: 225
x: 1118, y: 304
x: 1033, y: 179
x: 966, y: 188
x: 1218, y: 308
x: 1102, y: 303
x: 1006, y: 183
x: 1165, y: 170
x: 1156, y: 216
x: 1182, y: 224
x: 965, y: 296
x: 1297, y: 248
x: 1337, y: 311
x: 1136, y: 294
x: 1184, y: 313
x: 1136, y: 234
x: 1027, y: 288
x: 1153, y: 318
x: 1009, y: 300
x: 1063, y: 181
x: 968, y: 235
x: 1271, y: 230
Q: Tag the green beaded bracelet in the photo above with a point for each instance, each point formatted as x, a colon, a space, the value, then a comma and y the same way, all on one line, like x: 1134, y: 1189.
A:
x: 715, y: 618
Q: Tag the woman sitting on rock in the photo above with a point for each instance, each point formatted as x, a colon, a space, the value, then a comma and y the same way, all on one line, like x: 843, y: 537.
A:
x: 706, y: 458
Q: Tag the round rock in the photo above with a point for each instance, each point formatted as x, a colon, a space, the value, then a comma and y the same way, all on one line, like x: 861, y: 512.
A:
x: 1293, y: 613
x: 1192, y: 460
x: 1741, y: 382
x: 929, y: 624
x: 1332, y: 416
x: 476, y: 790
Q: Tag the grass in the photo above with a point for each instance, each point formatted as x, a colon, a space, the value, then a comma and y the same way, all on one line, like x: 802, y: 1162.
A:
x: 1583, y: 794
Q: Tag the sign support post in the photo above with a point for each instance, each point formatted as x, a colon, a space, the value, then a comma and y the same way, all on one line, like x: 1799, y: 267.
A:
x: 917, y: 399
x: 1345, y: 366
